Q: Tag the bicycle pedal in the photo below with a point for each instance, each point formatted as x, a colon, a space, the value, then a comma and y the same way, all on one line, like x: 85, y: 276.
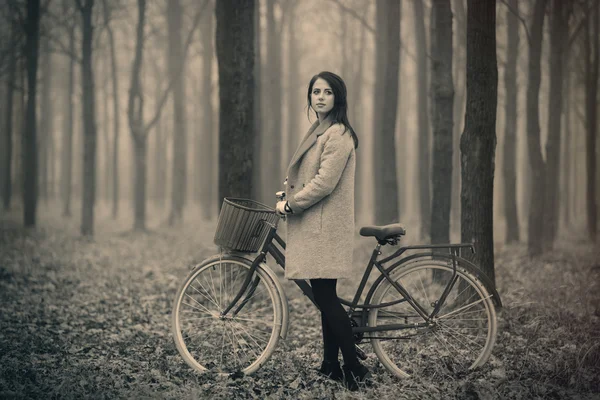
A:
x: 360, y: 353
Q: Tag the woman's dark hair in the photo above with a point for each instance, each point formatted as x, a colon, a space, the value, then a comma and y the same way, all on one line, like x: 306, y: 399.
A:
x: 340, y: 104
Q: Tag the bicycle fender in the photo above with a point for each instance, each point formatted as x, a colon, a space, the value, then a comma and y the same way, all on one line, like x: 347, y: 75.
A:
x: 469, y: 266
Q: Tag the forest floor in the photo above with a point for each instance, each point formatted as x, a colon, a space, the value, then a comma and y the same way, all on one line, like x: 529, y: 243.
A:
x: 90, y: 318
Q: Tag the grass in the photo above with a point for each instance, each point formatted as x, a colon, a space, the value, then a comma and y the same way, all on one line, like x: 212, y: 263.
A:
x: 90, y: 318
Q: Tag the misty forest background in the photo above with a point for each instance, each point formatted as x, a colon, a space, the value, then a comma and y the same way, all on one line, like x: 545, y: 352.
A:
x: 125, y: 123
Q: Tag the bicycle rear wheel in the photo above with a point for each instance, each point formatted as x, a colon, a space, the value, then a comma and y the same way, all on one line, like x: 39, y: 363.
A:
x: 239, y: 342
x: 462, y: 334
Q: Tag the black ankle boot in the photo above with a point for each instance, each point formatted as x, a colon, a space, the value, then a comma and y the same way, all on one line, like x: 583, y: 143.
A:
x: 356, y: 375
x: 332, y: 370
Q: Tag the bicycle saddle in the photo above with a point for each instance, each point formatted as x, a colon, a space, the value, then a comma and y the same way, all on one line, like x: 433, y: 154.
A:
x: 384, y: 232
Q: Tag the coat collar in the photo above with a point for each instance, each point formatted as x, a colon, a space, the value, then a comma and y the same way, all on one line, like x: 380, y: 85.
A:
x: 316, y: 130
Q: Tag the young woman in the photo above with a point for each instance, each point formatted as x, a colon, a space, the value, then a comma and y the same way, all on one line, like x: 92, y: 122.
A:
x: 320, y: 220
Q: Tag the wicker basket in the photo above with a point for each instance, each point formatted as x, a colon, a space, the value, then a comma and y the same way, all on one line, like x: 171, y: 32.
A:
x: 241, y: 225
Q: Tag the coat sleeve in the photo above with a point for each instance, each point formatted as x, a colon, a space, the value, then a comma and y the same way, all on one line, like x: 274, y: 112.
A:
x: 333, y: 160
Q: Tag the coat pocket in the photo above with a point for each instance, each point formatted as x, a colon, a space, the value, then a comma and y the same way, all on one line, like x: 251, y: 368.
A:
x: 312, y: 222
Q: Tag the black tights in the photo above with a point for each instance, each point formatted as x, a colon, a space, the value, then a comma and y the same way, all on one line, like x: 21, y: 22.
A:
x: 337, y: 330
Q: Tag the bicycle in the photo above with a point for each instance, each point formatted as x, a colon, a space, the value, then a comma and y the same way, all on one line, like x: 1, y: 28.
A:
x: 424, y: 308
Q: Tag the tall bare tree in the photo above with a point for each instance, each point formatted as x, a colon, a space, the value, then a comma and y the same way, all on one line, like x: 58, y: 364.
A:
x: 478, y: 141
x: 509, y: 165
x: 272, y: 171
x: 536, y: 160
x: 30, y: 160
x: 235, y: 55
x: 387, y: 65
x: 67, y: 142
x: 177, y: 76
x: 106, y: 13
x: 442, y: 89
x: 423, y: 130
x: 559, y: 34
x: 207, y: 158
x: 89, y: 119
x: 592, y: 70
x: 135, y: 111
x: 8, y: 121
x: 459, y: 59
x: 259, y: 135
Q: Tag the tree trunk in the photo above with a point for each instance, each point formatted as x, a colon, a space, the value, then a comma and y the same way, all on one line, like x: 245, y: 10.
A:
x: 208, y: 159
x: 592, y: 50
x: 29, y: 151
x: 259, y: 135
x: 509, y: 164
x: 140, y: 148
x: 135, y: 116
x: 67, y: 156
x: 459, y: 56
x: 44, y: 119
x: 357, y: 119
x: 536, y: 160
x: 235, y: 54
x: 478, y: 141
x: 566, y: 186
x: 177, y: 76
x: 106, y: 135
x: 273, y: 172
x: 294, y: 106
x: 116, y: 113
x: 442, y: 88
x: 387, y: 53
x: 89, y: 123
x: 559, y: 34
x: 423, y: 130
x: 8, y: 127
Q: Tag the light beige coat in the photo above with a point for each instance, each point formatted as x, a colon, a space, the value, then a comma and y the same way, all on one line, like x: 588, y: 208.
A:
x: 320, y: 192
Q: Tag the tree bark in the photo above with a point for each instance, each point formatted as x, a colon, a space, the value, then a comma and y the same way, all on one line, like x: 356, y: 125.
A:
x: 592, y: 57
x: 273, y: 172
x: 235, y: 54
x: 259, y: 135
x: 387, y: 50
x: 478, y: 141
x: 355, y: 95
x: 67, y: 157
x: 536, y: 160
x: 207, y: 197
x: 29, y: 152
x: 8, y: 127
x: 177, y: 76
x: 89, y: 123
x: 509, y: 164
x: 423, y: 130
x: 442, y: 88
x: 559, y: 34
x: 459, y: 57
x: 116, y: 112
x: 45, y: 119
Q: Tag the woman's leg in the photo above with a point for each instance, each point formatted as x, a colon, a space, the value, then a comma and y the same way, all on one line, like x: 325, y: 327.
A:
x: 330, y: 345
x: 335, y: 318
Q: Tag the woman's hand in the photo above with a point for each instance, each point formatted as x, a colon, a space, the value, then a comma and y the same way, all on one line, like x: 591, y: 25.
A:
x: 282, y: 208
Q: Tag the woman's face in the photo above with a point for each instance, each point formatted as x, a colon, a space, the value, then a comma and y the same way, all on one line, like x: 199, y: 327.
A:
x: 321, y: 97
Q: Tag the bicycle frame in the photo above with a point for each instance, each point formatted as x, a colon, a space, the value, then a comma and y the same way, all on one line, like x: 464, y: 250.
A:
x: 269, y: 247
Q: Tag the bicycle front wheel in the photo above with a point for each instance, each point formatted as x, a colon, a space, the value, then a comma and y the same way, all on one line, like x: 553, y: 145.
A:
x: 460, y: 337
x: 239, y: 342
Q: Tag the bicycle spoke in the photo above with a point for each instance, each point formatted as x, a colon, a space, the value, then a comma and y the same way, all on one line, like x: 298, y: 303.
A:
x: 464, y: 308
x: 460, y: 337
x: 230, y: 344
